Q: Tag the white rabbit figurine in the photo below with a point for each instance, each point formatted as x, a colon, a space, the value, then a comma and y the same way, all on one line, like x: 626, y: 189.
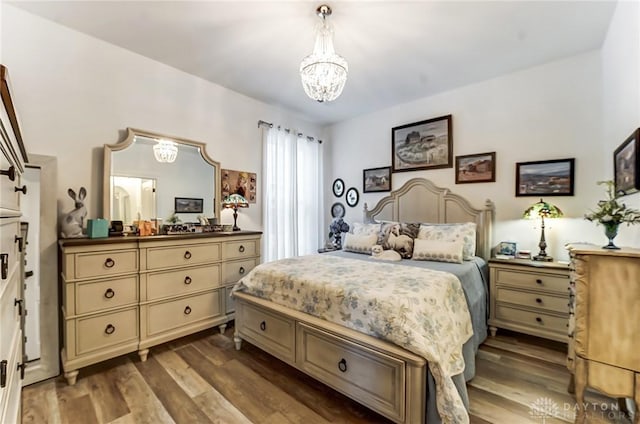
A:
x: 73, y: 222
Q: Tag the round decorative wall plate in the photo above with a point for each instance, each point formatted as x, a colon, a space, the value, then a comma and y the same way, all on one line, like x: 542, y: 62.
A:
x: 337, y: 210
x: 338, y: 187
x: 352, y: 196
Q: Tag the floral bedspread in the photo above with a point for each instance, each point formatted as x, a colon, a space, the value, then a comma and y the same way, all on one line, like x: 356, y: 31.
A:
x: 421, y: 310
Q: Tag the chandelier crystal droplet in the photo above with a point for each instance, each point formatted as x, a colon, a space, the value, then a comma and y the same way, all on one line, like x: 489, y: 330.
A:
x: 324, y: 72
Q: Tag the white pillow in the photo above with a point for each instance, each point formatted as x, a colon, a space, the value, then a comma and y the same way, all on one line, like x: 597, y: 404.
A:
x: 465, y: 232
x: 358, y: 228
x: 437, y: 250
x: 359, y: 243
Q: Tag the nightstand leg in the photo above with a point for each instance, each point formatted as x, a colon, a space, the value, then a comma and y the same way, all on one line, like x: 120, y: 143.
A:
x: 222, y: 328
x: 237, y: 340
x: 71, y: 377
x: 493, y: 331
x: 581, y: 382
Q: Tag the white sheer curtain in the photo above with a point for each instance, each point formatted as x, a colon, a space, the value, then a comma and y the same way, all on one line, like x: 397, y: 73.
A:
x: 292, y: 194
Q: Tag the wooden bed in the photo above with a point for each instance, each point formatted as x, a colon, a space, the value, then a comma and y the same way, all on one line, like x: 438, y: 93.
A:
x: 380, y: 375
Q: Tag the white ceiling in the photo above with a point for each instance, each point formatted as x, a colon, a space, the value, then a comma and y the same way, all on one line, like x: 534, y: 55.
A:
x: 397, y: 51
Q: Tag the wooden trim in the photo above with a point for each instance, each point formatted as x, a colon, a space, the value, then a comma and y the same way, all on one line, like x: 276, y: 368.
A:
x: 5, y: 91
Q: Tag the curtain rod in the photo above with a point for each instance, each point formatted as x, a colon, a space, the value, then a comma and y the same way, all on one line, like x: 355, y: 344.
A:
x: 270, y: 125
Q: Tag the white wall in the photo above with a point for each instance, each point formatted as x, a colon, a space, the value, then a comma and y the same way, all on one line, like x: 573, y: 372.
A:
x: 75, y: 93
x: 621, y: 94
x: 551, y: 111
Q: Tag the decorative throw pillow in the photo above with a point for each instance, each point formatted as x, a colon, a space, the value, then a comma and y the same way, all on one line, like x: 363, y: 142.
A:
x: 465, y: 232
x: 438, y: 250
x: 398, y: 236
x: 359, y: 243
x: 358, y: 228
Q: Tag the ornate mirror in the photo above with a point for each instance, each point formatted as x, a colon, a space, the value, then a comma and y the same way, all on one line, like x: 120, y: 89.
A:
x: 146, y: 172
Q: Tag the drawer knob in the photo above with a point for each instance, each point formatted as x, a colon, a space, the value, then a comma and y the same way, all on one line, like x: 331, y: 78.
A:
x: 241, y: 270
x: 342, y: 365
x: 109, y: 293
x: 21, y: 367
x: 263, y: 326
x: 18, y: 239
x: 187, y: 255
x: 4, y: 265
x: 109, y: 329
x: 538, y: 281
x: 23, y: 189
x: 538, y: 300
x: 241, y: 249
x: 11, y: 173
x: 109, y: 263
x: 538, y: 319
x: 187, y: 310
x: 18, y: 303
x: 187, y: 280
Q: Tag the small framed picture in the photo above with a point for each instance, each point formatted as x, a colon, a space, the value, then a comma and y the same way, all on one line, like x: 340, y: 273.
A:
x: 188, y: 205
x: 545, y: 178
x: 376, y: 179
x: 507, y: 248
x: 523, y: 254
x: 478, y: 168
x: 626, y: 165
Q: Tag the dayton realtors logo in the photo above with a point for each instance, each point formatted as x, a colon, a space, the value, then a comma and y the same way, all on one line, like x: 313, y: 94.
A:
x: 544, y: 408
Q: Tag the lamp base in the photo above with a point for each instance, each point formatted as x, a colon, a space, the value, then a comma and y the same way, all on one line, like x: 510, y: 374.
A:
x: 544, y: 258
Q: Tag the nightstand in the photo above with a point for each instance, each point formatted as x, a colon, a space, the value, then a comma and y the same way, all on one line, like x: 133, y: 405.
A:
x: 529, y: 297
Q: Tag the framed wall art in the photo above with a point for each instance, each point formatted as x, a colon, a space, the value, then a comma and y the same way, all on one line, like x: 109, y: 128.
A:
x: 478, y: 168
x: 188, y: 205
x: 545, y: 178
x: 338, y: 187
x: 352, y: 196
x: 626, y: 165
x: 239, y: 182
x: 376, y: 179
x: 422, y: 145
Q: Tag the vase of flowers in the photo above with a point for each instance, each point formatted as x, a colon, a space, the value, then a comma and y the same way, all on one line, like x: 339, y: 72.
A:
x: 336, y: 228
x: 611, y: 213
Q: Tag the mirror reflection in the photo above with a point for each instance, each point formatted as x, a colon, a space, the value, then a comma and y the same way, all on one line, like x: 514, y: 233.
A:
x: 146, y: 173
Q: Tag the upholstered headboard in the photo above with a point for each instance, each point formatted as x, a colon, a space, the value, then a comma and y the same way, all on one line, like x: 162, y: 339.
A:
x: 419, y: 200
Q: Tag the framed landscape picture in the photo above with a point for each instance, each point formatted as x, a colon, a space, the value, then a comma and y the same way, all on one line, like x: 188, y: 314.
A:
x: 545, y: 178
x: 478, y: 168
x: 626, y: 165
x: 188, y: 205
x: 376, y: 179
x: 422, y: 145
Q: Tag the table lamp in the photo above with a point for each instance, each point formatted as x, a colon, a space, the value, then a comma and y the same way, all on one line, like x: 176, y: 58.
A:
x: 235, y: 201
x: 542, y: 210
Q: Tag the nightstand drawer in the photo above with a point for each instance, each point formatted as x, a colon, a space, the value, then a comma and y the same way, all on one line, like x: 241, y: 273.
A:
x: 534, y: 300
x: 533, y: 280
x: 532, y: 319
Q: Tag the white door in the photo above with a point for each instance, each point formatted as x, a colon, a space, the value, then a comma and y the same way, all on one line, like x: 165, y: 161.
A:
x: 31, y: 214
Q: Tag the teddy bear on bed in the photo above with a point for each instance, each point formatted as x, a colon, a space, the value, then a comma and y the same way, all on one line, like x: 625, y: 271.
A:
x: 377, y: 252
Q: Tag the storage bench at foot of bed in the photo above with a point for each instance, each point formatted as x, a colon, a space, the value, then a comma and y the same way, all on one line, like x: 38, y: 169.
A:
x: 377, y: 374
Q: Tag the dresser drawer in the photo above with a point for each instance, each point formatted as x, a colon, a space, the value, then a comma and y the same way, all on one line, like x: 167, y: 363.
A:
x: 533, y: 280
x: 182, y: 281
x: 235, y: 270
x: 534, y: 300
x: 533, y: 319
x: 178, y: 313
x: 9, y: 229
x: 272, y: 332
x: 9, y: 197
x: 184, y: 255
x: 373, y: 378
x: 102, y: 331
x: 99, y: 295
x: 100, y: 264
x: 240, y: 249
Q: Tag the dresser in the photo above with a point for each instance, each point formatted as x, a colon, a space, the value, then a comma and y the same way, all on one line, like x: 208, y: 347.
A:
x: 529, y: 297
x: 12, y: 165
x: 127, y: 294
x: 604, y: 333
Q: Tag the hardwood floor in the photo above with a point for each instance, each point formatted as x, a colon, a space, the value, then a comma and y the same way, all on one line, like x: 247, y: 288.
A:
x: 203, y: 379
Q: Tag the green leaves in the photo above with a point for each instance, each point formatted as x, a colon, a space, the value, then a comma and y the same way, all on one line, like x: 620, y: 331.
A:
x: 610, y: 211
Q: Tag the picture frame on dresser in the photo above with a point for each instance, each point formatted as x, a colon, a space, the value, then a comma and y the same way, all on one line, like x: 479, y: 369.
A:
x: 626, y: 165
x: 422, y: 145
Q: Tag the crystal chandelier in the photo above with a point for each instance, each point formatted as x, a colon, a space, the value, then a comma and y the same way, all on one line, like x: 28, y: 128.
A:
x: 165, y: 151
x: 323, y: 72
